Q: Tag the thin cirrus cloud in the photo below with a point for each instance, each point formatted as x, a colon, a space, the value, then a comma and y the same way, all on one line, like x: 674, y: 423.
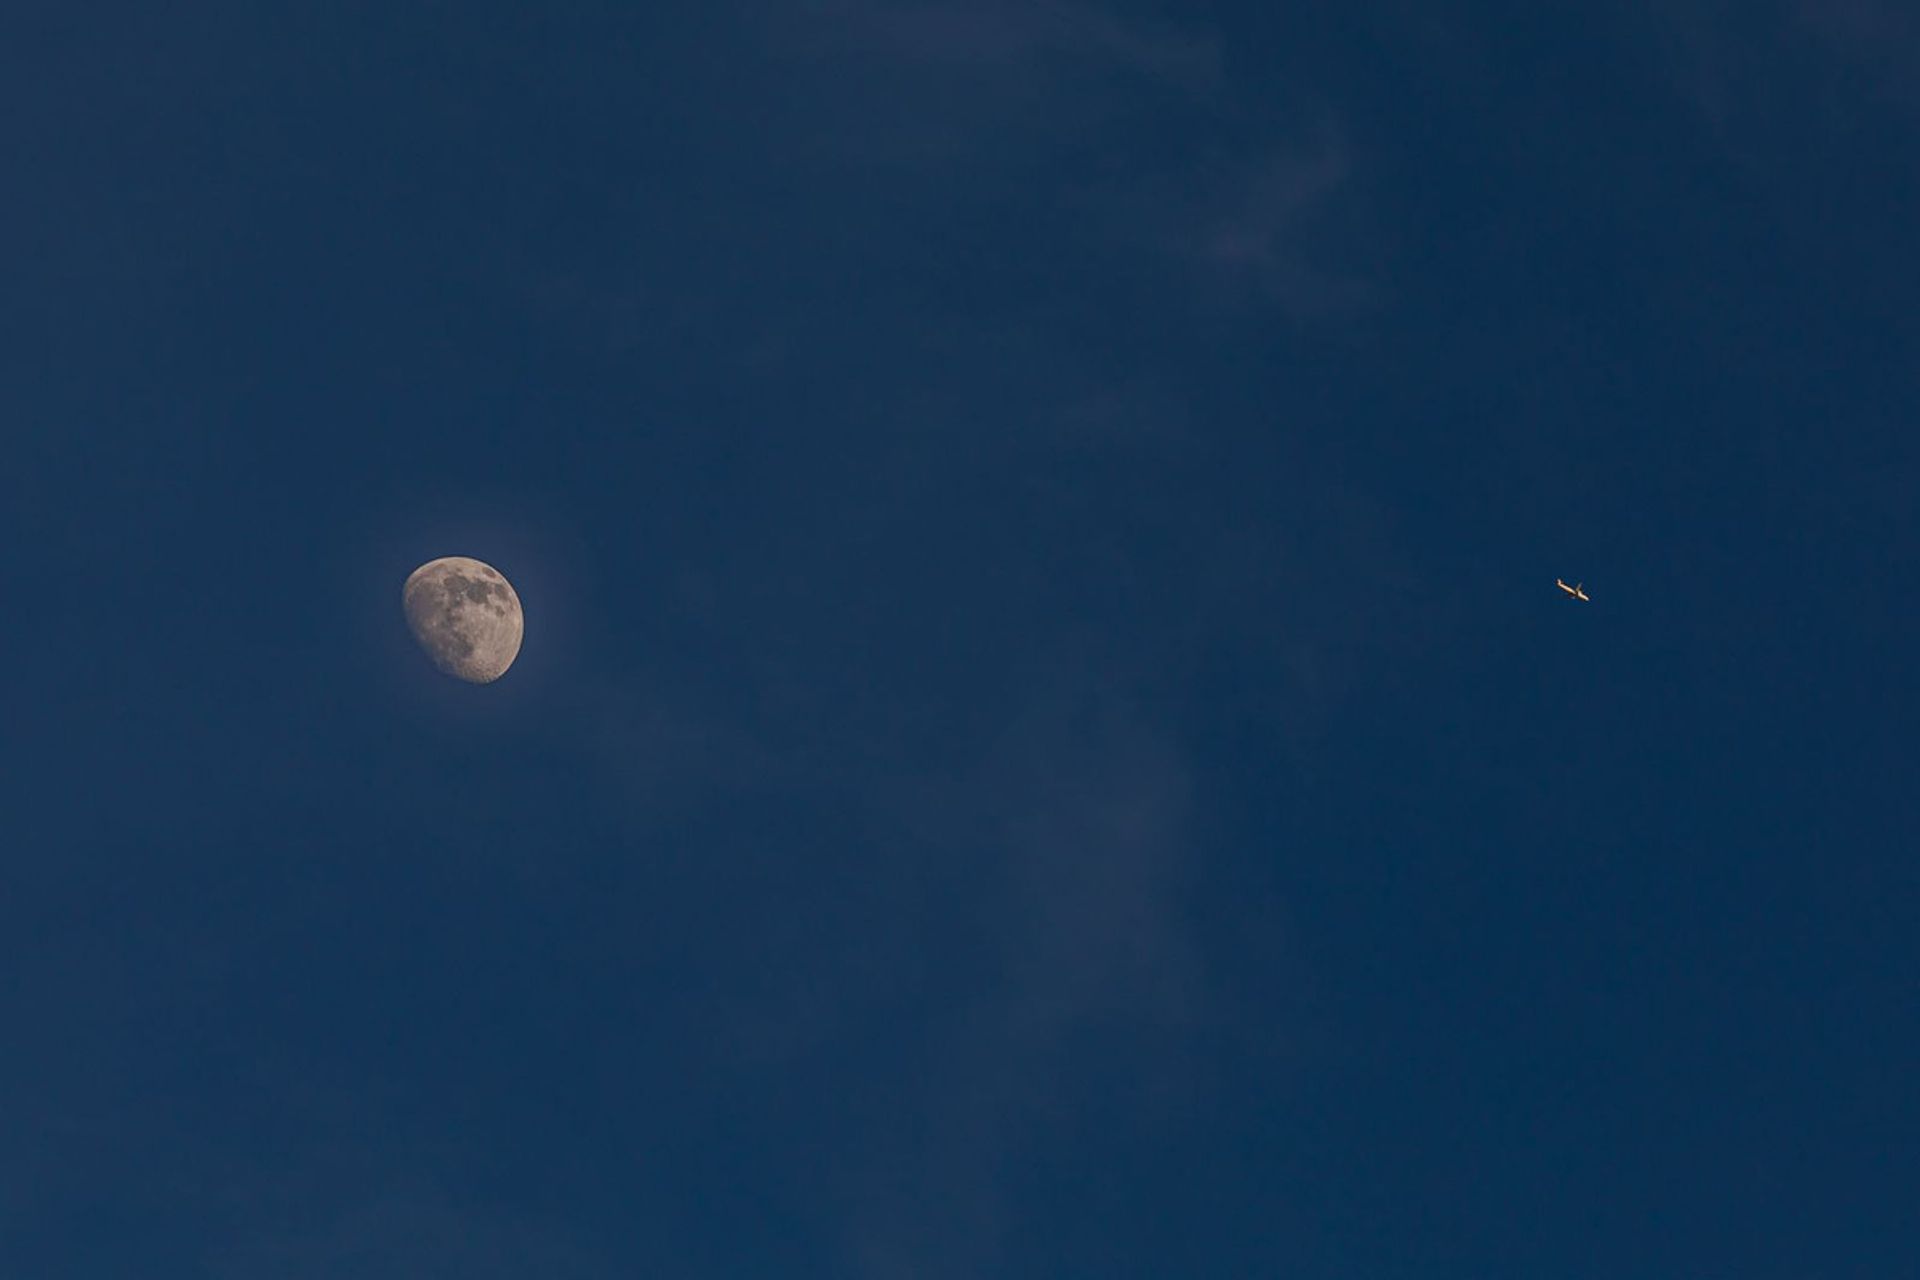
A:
x: 1078, y: 831
x: 394, y: 1228
x: 997, y: 85
x: 1878, y: 37
x: 992, y: 34
x: 993, y: 83
x: 1743, y: 68
x: 1265, y: 228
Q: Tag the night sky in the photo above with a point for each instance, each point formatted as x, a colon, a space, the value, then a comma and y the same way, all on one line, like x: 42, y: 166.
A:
x: 1046, y: 743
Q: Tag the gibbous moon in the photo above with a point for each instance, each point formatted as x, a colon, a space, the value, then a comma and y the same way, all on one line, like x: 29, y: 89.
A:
x: 466, y: 616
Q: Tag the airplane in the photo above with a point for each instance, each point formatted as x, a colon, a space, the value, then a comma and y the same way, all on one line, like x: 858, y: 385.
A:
x: 1573, y: 591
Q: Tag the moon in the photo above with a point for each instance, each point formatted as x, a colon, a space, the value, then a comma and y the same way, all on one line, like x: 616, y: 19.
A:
x: 466, y: 616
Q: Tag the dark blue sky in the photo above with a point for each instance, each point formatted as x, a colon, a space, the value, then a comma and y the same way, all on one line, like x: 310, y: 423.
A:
x: 1046, y: 744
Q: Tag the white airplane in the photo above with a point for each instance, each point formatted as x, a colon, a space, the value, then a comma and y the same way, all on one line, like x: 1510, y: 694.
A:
x: 1573, y: 591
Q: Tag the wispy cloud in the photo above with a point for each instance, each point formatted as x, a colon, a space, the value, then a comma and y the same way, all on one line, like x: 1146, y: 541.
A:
x: 1007, y: 33
x: 1022, y: 903
x: 929, y: 81
x: 366, y: 1217
x: 1743, y: 68
x: 1056, y: 74
x: 1880, y: 37
x: 1075, y: 827
x: 1267, y: 224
